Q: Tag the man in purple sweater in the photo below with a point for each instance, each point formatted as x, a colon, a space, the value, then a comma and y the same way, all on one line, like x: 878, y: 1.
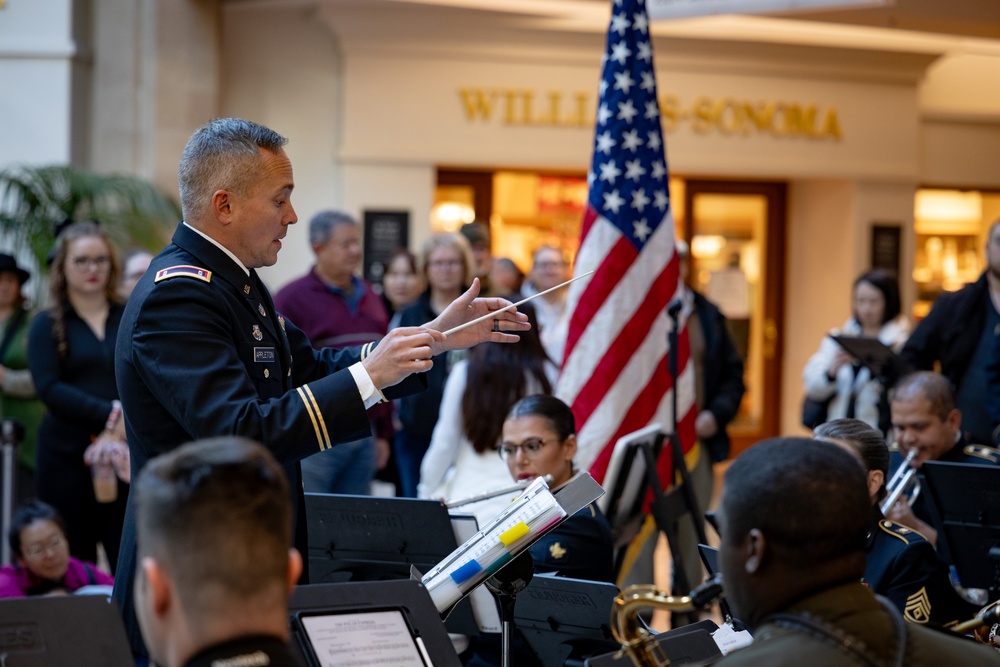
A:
x: 336, y: 308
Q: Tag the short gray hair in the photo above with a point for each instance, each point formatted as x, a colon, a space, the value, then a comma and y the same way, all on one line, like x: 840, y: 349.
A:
x: 323, y: 224
x: 223, y: 154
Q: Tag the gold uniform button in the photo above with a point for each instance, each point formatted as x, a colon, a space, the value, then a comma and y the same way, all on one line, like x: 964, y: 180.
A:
x: 267, y: 373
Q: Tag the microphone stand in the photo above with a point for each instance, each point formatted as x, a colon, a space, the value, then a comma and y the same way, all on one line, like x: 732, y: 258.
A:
x: 697, y: 518
x: 510, y: 580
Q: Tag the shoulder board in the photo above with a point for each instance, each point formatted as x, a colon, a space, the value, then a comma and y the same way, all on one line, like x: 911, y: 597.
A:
x: 897, y: 530
x: 991, y: 454
x: 185, y: 271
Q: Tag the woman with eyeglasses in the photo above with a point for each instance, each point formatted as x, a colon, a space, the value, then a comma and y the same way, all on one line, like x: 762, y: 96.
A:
x: 71, y: 353
x: 42, y: 564
x: 462, y: 459
x: 538, y: 438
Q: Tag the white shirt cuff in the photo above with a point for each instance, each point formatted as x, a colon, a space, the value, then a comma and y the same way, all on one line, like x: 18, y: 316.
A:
x: 369, y: 394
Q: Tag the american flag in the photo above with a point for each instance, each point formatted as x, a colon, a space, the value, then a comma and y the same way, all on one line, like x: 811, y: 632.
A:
x: 614, y: 373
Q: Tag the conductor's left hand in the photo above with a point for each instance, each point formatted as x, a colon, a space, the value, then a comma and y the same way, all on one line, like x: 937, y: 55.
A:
x: 467, y: 308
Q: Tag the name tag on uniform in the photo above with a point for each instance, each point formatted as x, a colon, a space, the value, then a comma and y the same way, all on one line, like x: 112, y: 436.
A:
x: 264, y: 355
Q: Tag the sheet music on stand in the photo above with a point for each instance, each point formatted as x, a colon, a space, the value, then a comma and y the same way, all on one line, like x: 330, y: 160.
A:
x: 532, y: 514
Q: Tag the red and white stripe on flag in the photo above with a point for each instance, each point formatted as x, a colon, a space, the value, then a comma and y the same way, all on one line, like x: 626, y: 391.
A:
x: 615, y: 375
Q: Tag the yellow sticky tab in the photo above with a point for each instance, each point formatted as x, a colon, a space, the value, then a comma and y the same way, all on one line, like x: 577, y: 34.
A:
x: 514, y: 533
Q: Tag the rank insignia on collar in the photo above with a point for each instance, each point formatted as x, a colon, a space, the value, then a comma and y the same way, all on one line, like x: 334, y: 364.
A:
x: 260, y: 309
x: 281, y: 321
x: 256, y: 333
x: 556, y: 550
x: 246, y: 290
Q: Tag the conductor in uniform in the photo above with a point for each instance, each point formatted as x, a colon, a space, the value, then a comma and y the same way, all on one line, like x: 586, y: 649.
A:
x: 201, y: 351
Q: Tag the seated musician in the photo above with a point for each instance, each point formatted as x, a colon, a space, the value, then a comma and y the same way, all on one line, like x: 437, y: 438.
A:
x: 539, y: 438
x: 794, y: 522
x: 215, y: 567
x: 900, y: 564
x: 925, y: 419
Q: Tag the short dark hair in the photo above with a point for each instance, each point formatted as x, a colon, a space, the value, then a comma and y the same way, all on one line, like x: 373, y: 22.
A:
x: 868, y: 442
x: 934, y: 387
x: 322, y: 224
x: 27, y: 514
x: 885, y: 282
x: 808, y: 498
x: 218, y: 513
x: 555, y: 411
x: 223, y: 154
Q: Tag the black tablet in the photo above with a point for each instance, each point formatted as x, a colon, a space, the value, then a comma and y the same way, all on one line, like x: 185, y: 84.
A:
x: 371, y: 637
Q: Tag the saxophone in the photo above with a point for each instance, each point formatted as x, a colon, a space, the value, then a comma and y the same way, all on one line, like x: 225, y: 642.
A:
x: 636, y: 640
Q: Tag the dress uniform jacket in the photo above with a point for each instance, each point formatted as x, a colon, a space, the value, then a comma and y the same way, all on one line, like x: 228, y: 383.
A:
x: 201, y: 353
x: 903, y: 567
x: 256, y: 651
x: 815, y: 629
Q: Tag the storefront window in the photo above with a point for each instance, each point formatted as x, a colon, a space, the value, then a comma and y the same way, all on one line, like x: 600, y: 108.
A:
x: 951, y: 228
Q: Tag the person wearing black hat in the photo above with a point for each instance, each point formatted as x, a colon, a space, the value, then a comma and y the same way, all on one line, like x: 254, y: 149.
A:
x: 17, y: 391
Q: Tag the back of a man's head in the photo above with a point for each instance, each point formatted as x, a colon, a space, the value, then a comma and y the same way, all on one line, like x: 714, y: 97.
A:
x: 808, y: 498
x: 216, y: 516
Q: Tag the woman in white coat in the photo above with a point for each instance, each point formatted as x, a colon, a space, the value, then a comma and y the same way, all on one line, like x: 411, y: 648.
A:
x: 834, y: 376
x: 463, y: 460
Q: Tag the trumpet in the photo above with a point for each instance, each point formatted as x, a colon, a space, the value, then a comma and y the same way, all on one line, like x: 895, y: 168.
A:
x: 903, y: 482
x: 636, y: 640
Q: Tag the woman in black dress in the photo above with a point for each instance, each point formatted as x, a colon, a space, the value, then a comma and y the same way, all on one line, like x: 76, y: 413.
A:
x: 71, y: 353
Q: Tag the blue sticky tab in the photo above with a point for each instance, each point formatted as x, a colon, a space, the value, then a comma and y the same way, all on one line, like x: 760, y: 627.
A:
x: 467, y: 571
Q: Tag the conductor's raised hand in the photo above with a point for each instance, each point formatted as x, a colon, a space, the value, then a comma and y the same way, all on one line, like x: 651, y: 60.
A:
x: 466, y: 309
x: 401, y: 353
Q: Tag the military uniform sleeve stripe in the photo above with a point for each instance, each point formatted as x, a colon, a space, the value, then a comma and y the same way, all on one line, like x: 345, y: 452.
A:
x: 312, y: 416
x: 319, y: 416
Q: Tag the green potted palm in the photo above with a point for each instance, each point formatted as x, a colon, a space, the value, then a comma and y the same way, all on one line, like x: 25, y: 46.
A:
x: 34, y: 200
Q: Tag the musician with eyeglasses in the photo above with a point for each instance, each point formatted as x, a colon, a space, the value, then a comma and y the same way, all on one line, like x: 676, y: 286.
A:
x: 42, y: 564
x: 926, y: 421
x: 900, y: 564
x: 538, y: 439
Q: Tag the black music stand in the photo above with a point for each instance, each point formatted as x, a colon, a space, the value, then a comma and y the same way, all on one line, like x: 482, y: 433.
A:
x: 965, y: 504
x: 366, y: 538
x: 690, y: 645
x: 407, y: 598
x: 632, y: 476
x: 62, y: 630
x: 565, y: 619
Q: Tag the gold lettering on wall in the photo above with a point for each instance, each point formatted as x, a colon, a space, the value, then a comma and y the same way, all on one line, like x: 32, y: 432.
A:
x: 728, y: 116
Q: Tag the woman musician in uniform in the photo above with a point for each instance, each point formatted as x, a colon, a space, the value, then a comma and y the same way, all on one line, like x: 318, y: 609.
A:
x: 901, y: 564
x: 539, y: 438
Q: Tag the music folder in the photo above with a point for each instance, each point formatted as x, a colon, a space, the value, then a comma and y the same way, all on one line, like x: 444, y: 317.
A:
x: 870, y: 352
x: 528, y: 517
